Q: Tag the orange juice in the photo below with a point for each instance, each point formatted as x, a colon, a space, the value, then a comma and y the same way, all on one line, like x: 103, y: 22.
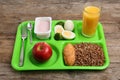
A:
x: 91, y: 16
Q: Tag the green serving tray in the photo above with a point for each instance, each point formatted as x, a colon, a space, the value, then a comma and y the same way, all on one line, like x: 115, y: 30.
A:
x: 56, y: 62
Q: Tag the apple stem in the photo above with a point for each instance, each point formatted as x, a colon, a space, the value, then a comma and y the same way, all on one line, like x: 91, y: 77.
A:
x: 40, y: 47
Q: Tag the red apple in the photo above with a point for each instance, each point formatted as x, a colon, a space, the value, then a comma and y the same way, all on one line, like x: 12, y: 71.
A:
x: 42, y: 51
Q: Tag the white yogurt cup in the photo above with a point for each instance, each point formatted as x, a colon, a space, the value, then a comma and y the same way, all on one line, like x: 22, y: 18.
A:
x: 43, y: 27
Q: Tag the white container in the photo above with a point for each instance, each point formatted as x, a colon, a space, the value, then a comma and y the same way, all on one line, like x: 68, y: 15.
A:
x: 41, y: 31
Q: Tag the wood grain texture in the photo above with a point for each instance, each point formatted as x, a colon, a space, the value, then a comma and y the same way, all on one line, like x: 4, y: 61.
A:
x: 13, y: 12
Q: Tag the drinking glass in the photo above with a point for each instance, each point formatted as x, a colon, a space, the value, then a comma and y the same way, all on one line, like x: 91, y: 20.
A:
x: 91, y: 15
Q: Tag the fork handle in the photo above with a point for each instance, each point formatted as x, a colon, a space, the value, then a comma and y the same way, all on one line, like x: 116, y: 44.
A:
x: 22, y: 54
x: 30, y: 36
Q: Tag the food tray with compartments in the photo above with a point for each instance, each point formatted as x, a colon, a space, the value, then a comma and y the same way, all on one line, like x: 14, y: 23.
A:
x: 56, y: 62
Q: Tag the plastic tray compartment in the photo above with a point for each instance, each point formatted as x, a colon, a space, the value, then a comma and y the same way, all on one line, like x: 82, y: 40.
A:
x: 56, y: 62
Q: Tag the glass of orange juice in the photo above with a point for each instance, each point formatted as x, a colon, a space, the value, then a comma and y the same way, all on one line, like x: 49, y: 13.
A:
x: 91, y: 14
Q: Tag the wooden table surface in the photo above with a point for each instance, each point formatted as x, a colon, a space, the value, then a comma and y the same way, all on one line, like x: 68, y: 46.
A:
x: 13, y: 12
